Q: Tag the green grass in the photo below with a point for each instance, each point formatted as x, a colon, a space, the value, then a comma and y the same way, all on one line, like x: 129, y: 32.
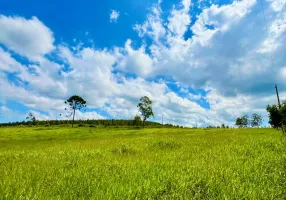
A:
x: 90, y: 163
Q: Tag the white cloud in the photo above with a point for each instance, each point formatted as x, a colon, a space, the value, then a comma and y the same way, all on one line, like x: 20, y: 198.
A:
x: 180, y: 19
x: 28, y: 37
x: 226, y: 53
x: 38, y: 115
x: 277, y: 5
x: 135, y: 61
x: 153, y: 26
x: 92, y: 71
x: 87, y: 115
x: 223, y: 55
x: 114, y: 15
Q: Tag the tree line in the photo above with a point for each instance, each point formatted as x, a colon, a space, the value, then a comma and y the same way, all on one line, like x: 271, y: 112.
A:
x: 276, y: 114
x: 78, y: 103
x: 245, y: 121
x: 91, y: 122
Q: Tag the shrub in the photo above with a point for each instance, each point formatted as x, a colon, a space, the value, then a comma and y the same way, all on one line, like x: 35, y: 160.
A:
x: 123, y: 150
x: 165, y: 145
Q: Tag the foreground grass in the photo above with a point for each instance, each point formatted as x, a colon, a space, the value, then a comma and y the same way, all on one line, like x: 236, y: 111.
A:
x: 86, y: 163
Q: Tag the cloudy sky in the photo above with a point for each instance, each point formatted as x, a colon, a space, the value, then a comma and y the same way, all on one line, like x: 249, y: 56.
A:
x: 204, y: 60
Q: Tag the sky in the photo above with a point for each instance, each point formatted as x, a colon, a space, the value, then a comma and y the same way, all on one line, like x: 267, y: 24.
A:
x: 203, y: 61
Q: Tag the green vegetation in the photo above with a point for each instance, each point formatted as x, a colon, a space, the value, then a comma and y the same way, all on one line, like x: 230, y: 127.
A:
x: 88, y: 122
x: 244, y: 121
x: 151, y: 163
x: 75, y: 103
x: 277, y: 114
x: 145, y: 108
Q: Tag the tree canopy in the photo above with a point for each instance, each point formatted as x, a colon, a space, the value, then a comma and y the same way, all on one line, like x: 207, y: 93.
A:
x: 31, y: 118
x: 75, y: 103
x: 256, y: 120
x: 242, y: 121
x: 276, y: 114
x: 145, y: 108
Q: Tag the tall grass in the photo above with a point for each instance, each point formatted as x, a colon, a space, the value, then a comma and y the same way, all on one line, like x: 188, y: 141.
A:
x: 88, y: 163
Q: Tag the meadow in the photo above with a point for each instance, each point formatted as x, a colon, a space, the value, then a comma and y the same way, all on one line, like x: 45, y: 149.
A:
x: 151, y: 163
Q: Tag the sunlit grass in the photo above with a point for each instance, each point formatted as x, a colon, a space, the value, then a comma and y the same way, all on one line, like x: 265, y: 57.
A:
x: 91, y: 163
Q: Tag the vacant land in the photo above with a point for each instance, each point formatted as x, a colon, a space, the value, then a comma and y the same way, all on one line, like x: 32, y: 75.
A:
x: 95, y: 163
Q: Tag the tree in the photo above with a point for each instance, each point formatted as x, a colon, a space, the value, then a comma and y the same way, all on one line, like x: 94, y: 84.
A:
x: 238, y: 122
x: 242, y: 121
x: 256, y: 120
x: 145, y: 108
x: 75, y: 103
x: 275, y: 115
x: 137, y: 120
x: 31, y: 118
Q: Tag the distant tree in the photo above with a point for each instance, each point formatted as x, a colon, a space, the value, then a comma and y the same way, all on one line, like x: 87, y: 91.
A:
x: 238, y: 122
x: 256, y: 120
x: 242, y: 121
x: 145, y: 108
x: 222, y: 126
x: 75, y: 103
x: 245, y: 121
x: 137, y: 120
x: 31, y: 118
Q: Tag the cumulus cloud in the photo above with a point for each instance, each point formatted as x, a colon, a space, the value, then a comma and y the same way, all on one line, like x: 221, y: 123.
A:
x: 87, y: 115
x: 230, y: 52
x: 224, y: 43
x: 180, y: 19
x: 153, y: 27
x: 114, y: 15
x: 28, y: 37
x: 135, y: 61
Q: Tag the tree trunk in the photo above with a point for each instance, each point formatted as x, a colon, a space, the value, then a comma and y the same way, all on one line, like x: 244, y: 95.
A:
x: 144, y: 120
x: 73, y: 117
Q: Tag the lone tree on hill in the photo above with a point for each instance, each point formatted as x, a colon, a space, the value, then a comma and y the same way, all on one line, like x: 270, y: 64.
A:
x: 31, y: 118
x: 75, y: 103
x: 145, y: 108
x: 256, y: 120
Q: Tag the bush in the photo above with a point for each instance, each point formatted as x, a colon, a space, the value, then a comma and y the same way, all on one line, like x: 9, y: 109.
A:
x: 123, y: 150
x: 165, y: 145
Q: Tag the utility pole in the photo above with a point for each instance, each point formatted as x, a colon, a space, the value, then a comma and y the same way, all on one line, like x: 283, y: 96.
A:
x: 196, y: 121
x: 277, y: 96
x: 279, y: 105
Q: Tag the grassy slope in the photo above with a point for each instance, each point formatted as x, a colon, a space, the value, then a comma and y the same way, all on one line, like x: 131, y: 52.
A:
x: 86, y: 163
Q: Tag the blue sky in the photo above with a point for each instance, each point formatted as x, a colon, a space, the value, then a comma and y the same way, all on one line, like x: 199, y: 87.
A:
x: 212, y: 60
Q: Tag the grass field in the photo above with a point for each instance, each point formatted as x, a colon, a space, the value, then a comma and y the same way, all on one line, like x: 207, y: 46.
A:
x: 118, y: 163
